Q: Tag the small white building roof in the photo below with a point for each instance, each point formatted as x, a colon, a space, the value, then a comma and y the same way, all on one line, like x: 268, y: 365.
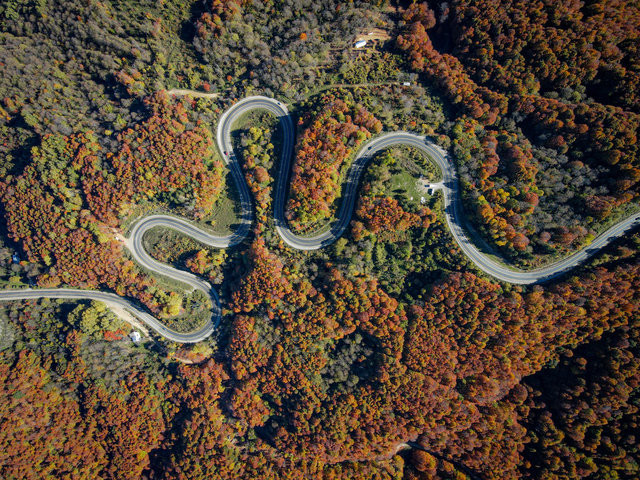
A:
x: 360, y: 43
x: 135, y: 336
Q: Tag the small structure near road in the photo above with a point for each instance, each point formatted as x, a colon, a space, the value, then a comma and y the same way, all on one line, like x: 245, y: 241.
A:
x: 425, y: 186
x: 135, y: 336
x: 371, y: 39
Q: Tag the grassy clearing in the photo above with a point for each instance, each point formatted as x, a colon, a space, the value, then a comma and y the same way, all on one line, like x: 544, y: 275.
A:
x: 220, y: 222
x: 415, y: 161
x: 410, y: 166
x: 226, y: 214
x: 405, y: 184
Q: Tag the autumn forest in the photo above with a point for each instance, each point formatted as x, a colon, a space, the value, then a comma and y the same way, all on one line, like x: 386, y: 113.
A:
x: 388, y: 353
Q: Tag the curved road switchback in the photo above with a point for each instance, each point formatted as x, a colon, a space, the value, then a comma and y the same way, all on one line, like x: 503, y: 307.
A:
x: 453, y: 211
x: 111, y: 299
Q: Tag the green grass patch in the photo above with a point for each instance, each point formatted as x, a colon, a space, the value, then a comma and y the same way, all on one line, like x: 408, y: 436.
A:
x: 226, y: 213
x: 220, y: 222
x: 405, y: 184
x: 255, y: 118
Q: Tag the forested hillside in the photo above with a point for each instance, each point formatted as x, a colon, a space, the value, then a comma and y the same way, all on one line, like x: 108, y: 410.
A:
x: 547, y: 135
x: 386, y: 355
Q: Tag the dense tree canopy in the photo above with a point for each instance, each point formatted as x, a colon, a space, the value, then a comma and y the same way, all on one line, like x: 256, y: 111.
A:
x: 549, y: 114
x: 386, y: 355
x: 324, y: 151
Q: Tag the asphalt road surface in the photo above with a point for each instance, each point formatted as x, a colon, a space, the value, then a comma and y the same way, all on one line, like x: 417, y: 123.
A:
x: 452, y: 207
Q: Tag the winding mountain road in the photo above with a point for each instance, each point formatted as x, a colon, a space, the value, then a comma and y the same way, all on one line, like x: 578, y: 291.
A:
x: 453, y: 210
